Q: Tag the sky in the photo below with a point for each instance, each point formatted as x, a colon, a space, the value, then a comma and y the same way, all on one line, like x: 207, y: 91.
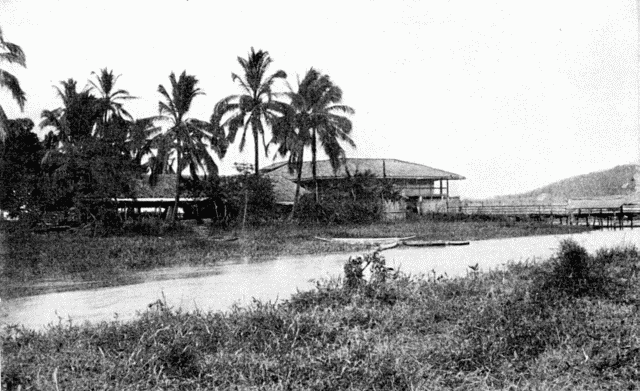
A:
x: 512, y: 95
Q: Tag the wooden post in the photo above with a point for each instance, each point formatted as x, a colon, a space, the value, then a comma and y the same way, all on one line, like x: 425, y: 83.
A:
x: 621, y: 217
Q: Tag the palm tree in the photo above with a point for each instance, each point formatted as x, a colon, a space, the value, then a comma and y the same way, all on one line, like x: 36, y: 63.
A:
x: 292, y: 132
x: 331, y: 126
x: 319, y: 118
x: 255, y: 107
x: 109, y: 99
x: 76, y: 119
x: 185, y: 136
x: 11, y: 54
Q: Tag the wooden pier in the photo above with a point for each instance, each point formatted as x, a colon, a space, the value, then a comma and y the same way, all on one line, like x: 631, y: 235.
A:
x: 624, y: 215
x: 608, y: 217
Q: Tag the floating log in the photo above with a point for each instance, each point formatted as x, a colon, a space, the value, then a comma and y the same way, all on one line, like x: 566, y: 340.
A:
x: 437, y: 243
x: 364, y: 240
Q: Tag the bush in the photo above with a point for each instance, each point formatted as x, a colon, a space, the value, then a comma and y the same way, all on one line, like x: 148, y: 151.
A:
x: 376, y: 288
x: 575, y: 273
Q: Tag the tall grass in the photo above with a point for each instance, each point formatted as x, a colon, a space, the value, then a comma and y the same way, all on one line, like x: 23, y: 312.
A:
x: 517, y: 328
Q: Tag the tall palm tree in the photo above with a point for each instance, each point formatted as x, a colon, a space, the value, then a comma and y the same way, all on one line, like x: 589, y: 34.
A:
x: 320, y: 118
x: 292, y: 132
x: 186, y: 136
x: 11, y: 54
x: 77, y: 117
x: 110, y: 98
x: 331, y: 126
x: 255, y: 108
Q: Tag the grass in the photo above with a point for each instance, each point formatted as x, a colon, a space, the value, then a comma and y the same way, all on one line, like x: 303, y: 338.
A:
x: 39, y: 263
x: 517, y: 328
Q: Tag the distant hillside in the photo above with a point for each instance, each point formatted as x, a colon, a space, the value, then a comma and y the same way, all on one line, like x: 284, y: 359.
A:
x: 617, y: 181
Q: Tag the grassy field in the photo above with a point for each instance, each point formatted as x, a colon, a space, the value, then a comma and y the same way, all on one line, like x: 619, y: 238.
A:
x: 38, y: 263
x: 571, y: 323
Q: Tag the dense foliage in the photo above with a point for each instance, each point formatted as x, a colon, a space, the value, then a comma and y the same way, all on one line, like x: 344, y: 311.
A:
x: 234, y: 199
x: 357, y: 199
x: 20, y: 156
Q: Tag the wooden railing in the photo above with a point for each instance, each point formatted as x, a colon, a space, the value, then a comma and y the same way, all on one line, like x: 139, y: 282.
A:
x: 609, y: 216
x: 512, y: 209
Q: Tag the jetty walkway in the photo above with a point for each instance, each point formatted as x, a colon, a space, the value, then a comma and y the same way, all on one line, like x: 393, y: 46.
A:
x: 598, y: 213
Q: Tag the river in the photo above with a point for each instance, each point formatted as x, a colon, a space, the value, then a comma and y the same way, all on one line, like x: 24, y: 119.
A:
x: 221, y: 286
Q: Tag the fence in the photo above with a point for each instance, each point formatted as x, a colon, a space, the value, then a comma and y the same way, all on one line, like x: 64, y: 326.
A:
x: 394, y: 210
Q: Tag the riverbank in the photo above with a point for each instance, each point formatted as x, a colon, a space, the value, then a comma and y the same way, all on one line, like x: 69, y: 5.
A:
x: 42, y: 263
x: 568, y: 323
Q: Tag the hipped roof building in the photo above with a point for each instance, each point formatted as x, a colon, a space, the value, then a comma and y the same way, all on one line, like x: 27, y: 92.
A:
x: 412, y: 180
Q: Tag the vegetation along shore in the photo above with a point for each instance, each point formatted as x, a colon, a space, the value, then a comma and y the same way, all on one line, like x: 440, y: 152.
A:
x: 571, y: 322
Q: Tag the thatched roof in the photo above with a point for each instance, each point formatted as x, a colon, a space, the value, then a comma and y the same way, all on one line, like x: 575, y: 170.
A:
x: 381, y: 168
x: 164, y: 188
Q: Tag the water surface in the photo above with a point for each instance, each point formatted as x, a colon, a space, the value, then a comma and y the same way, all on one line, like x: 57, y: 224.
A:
x: 221, y: 286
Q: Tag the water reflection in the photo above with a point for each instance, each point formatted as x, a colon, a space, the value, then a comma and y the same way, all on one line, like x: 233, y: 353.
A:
x: 221, y: 286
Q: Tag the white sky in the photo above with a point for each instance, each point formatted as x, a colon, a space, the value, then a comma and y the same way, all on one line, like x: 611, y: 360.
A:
x: 511, y: 94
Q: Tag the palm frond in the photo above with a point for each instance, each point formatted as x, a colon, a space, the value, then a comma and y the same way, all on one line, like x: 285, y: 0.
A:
x: 50, y: 118
x: 13, y: 58
x: 217, y: 141
x: 166, y: 111
x: 237, y: 79
x: 341, y: 109
x: 233, y: 124
x: 265, y: 87
x: 16, y: 55
x: 10, y: 82
x: 3, y: 120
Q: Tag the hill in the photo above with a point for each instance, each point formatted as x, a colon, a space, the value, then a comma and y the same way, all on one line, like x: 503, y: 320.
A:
x: 617, y: 181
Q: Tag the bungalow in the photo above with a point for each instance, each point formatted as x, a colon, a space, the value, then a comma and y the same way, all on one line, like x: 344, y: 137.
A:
x: 421, y: 186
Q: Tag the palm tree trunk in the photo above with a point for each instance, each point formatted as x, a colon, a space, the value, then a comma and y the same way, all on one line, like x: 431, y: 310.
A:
x: 313, y: 164
x: 295, y: 198
x: 246, y: 203
x: 174, y: 212
x: 255, y: 142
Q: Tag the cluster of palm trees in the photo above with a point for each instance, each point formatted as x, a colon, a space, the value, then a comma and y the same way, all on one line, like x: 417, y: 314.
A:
x: 311, y: 115
x: 307, y: 117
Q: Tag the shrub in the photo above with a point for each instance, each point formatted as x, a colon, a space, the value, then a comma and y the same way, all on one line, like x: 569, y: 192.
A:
x: 354, y: 270
x: 575, y: 273
x: 376, y: 288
